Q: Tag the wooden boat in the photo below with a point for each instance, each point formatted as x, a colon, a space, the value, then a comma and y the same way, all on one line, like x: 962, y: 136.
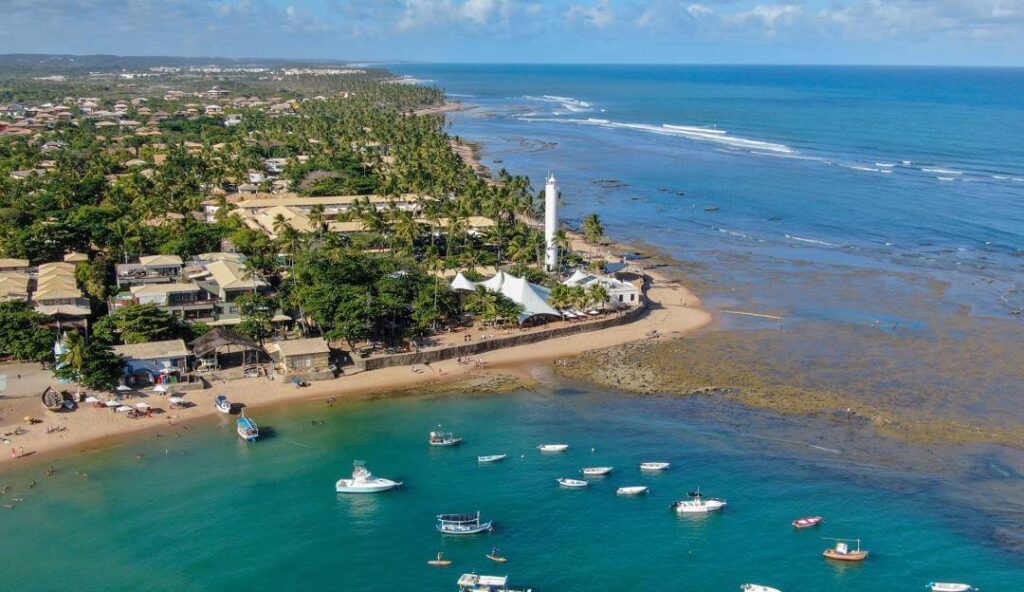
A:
x: 462, y: 524
x: 553, y: 447
x: 843, y: 552
x: 438, y: 439
x: 53, y: 399
x: 222, y: 404
x: 949, y: 587
x: 440, y: 561
x: 631, y: 490
x: 475, y: 583
x: 758, y: 588
x: 654, y: 466
x: 247, y: 428
x: 596, y: 471
x: 571, y: 483
x: 808, y: 521
x: 490, y: 458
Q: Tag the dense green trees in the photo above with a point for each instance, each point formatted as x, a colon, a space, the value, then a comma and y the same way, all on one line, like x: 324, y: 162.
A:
x: 21, y: 336
x: 94, y: 365
x: 139, y: 323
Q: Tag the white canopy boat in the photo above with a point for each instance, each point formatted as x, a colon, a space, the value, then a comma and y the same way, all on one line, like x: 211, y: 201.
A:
x: 571, y: 483
x: 553, y: 447
x: 462, y: 524
x: 654, y: 466
x: 596, y: 471
x: 949, y: 587
x: 444, y: 439
x: 474, y: 583
x: 698, y: 504
x: 631, y: 490
x: 758, y: 588
x: 490, y: 458
x: 363, y: 481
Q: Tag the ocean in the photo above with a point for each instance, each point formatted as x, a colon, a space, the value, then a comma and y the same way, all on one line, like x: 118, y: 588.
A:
x: 200, y: 510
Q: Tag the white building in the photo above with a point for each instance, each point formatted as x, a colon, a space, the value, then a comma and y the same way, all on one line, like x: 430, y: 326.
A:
x: 551, y: 222
x: 619, y: 293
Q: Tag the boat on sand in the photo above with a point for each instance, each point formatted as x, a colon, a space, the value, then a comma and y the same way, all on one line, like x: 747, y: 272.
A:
x: 363, y: 481
x: 222, y: 404
x: 843, y: 552
x: 571, y: 483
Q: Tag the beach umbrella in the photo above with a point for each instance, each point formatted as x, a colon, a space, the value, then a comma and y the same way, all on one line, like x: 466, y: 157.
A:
x: 111, y: 403
x: 176, y: 400
x: 143, y: 405
x: 92, y: 399
x: 123, y: 409
x: 123, y: 388
x: 160, y: 388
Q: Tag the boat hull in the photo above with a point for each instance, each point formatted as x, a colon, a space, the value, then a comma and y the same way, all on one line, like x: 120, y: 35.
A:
x: 596, y: 471
x: 807, y: 522
x: 553, y: 447
x: 491, y: 458
x: 485, y: 527
x: 654, y: 466
x: 572, y: 483
x: 949, y: 587
x: 637, y: 490
x: 377, y: 486
x: 848, y: 556
x: 444, y: 443
x: 758, y: 588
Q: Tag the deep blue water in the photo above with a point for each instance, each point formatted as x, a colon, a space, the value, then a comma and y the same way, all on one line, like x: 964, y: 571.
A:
x: 869, y: 169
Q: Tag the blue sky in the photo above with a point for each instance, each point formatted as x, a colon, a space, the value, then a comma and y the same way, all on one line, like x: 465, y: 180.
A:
x: 955, y: 32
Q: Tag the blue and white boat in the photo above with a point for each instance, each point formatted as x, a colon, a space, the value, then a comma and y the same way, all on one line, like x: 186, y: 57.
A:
x: 222, y: 404
x: 462, y: 524
x: 247, y: 429
x: 363, y: 481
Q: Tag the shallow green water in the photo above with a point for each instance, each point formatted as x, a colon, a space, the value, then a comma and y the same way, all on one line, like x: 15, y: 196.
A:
x: 204, y: 511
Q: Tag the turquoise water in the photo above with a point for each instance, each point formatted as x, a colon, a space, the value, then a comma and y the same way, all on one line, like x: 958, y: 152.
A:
x: 203, y: 511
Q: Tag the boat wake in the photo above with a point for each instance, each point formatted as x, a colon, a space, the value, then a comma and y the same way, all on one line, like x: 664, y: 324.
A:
x: 811, y: 241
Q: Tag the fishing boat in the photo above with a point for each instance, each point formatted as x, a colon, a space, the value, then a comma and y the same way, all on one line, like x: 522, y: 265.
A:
x: 654, y: 466
x: 553, y: 447
x: 808, y: 521
x: 247, y: 428
x: 475, y: 583
x: 631, y: 490
x: 571, y: 483
x: 949, y: 587
x: 758, y: 588
x: 491, y: 458
x: 440, y: 561
x: 53, y: 399
x: 843, y: 552
x: 698, y: 504
x: 222, y: 404
x: 596, y: 471
x: 444, y: 439
x: 462, y: 524
x: 493, y: 556
x: 363, y: 481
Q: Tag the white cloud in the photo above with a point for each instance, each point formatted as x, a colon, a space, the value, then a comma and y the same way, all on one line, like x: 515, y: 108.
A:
x: 599, y: 15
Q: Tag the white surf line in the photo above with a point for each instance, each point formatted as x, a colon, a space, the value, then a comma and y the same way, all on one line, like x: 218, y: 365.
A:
x: 755, y: 314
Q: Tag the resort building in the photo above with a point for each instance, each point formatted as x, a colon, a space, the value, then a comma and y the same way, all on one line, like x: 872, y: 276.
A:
x: 620, y: 293
x: 309, y: 357
x: 187, y: 301
x: 152, y: 269
x: 57, y: 294
x: 533, y: 298
x: 14, y: 286
x: 156, y: 362
x: 20, y: 265
x: 233, y: 280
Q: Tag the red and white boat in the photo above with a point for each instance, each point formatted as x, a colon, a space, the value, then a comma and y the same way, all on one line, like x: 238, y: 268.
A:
x: 808, y: 521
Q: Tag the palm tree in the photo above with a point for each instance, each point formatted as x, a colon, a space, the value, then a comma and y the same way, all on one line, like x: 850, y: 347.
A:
x: 593, y: 230
x: 316, y: 218
x: 597, y: 295
x: 74, y: 355
x: 562, y: 243
x: 280, y: 224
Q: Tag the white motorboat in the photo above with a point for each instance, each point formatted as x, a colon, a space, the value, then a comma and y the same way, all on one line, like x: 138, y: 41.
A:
x: 758, y: 588
x: 949, y: 587
x: 596, y: 471
x: 363, y: 481
x: 444, y: 439
x: 462, y: 524
x: 698, y: 504
x: 490, y: 458
x: 571, y: 483
x: 631, y: 490
x: 222, y: 404
x: 553, y: 447
x: 475, y: 583
x: 654, y: 466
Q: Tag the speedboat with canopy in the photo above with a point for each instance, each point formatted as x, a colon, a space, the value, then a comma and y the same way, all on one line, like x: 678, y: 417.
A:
x: 444, y: 439
x: 698, y: 504
x: 363, y: 481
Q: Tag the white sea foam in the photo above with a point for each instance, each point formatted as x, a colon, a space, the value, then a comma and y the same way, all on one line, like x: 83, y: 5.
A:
x: 857, y: 167
x: 941, y: 171
x: 907, y: 162
x: 570, y: 104
x: 811, y: 240
x: 946, y: 178
x: 461, y: 96
x: 1000, y: 177
x: 886, y: 165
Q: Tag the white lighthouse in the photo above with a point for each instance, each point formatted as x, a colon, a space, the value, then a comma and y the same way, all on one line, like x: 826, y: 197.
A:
x: 551, y: 222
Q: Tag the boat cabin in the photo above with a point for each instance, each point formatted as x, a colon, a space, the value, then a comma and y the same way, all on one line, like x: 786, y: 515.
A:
x: 476, y: 583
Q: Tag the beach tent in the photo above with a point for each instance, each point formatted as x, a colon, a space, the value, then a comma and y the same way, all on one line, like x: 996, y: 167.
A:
x: 533, y: 298
x: 461, y: 283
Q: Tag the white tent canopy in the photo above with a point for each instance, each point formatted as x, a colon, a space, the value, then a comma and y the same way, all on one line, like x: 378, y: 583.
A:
x: 533, y: 298
x: 461, y: 283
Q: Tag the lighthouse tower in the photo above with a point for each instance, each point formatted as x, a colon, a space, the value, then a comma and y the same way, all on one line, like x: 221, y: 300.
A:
x: 551, y: 222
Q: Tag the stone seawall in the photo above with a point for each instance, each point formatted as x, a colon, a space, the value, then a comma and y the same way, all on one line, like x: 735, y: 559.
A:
x: 479, y: 347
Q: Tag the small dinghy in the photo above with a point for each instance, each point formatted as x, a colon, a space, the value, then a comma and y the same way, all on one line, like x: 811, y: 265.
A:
x: 222, y: 404
x: 654, y: 466
x: 949, y: 587
x: 571, y: 483
x: 843, y: 552
x: 444, y: 439
x: 247, y: 429
x: 53, y: 399
x: 808, y: 521
x: 462, y: 524
x: 631, y: 490
x: 493, y: 556
x: 553, y: 447
x: 490, y: 458
x: 698, y: 504
x: 596, y: 471
x: 363, y: 481
x: 758, y: 588
x: 440, y: 561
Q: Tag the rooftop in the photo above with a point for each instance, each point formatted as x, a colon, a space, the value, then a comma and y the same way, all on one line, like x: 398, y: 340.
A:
x: 174, y: 348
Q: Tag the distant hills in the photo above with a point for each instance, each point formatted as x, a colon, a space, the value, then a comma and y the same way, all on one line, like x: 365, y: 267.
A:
x: 28, y: 63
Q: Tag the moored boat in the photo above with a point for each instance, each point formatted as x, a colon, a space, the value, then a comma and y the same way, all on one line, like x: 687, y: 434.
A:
x: 843, y: 552
x: 247, y: 429
x: 444, y: 439
x: 596, y: 471
x: 631, y: 490
x: 476, y: 583
x: 949, y: 587
x: 462, y: 524
x: 654, y: 466
x: 571, y: 483
x: 698, y: 504
x: 363, y: 481
x: 222, y: 404
x: 808, y: 521
x: 490, y: 458
x: 553, y: 447
x: 758, y: 588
